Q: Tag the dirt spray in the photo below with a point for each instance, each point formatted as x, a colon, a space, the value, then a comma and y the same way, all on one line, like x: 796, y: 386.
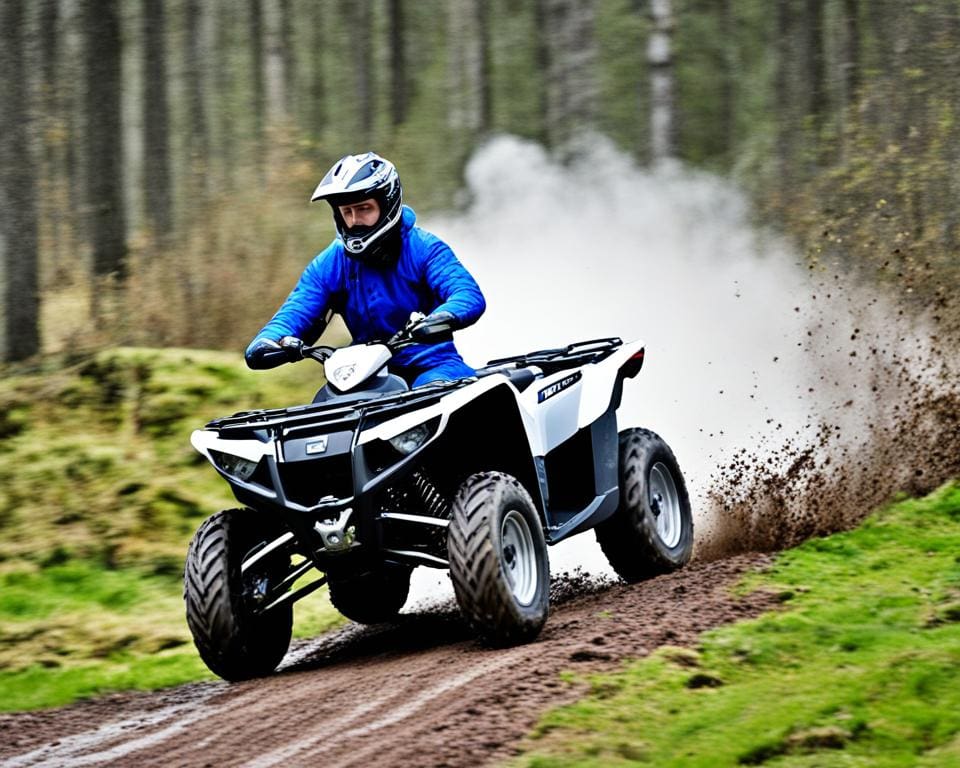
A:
x: 775, y: 383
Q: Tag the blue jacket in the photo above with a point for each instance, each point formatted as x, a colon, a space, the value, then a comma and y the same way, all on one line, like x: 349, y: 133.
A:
x: 376, y: 302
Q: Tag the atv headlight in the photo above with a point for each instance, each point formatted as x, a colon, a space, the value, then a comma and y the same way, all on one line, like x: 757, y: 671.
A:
x: 407, y: 442
x: 235, y: 466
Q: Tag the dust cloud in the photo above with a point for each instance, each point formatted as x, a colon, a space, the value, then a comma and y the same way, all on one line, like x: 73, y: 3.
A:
x: 783, y: 390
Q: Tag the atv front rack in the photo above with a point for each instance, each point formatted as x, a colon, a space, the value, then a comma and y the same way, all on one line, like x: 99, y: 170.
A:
x: 330, y: 413
x: 570, y: 356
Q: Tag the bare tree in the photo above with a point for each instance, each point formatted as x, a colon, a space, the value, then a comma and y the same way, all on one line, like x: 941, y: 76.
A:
x: 542, y: 57
x: 257, y: 80
x: 225, y: 130
x: 784, y: 107
x: 468, y: 82
x: 103, y: 137
x: 278, y: 60
x: 851, y: 49
x: 728, y: 82
x: 361, y: 43
x: 288, y: 50
x: 156, y: 123
x: 398, y: 63
x: 198, y: 131
x: 49, y: 49
x: 19, y: 299
x: 660, y: 59
x: 72, y: 88
x: 816, y: 78
x: 316, y: 112
x: 51, y: 120
x: 571, y: 86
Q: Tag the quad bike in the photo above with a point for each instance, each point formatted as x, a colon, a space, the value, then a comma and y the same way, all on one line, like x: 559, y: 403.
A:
x: 477, y: 476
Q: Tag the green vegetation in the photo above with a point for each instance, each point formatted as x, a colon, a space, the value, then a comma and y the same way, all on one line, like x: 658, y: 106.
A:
x: 100, y: 492
x: 860, y: 668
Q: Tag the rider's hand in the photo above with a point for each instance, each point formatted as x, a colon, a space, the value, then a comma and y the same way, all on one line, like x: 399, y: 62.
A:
x: 293, y: 348
x: 436, y: 327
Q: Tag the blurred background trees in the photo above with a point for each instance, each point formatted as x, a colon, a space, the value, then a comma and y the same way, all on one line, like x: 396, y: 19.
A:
x: 157, y: 155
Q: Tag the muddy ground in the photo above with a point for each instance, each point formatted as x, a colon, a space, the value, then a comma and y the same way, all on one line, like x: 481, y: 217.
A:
x: 421, y: 692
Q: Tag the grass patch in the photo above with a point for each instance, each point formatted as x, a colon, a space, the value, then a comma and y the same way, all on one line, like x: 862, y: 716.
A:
x: 77, y: 630
x: 100, y: 492
x: 37, y: 686
x: 95, y: 455
x: 861, y: 668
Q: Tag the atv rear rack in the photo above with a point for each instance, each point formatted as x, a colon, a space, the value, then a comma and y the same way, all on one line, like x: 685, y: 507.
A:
x: 572, y: 355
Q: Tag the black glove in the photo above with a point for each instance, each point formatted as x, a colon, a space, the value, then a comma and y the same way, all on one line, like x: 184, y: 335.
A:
x: 293, y: 347
x: 267, y: 353
x: 434, y: 328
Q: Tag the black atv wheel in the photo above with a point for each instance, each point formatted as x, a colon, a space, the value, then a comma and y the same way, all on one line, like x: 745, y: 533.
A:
x: 652, y: 530
x: 373, y: 597
x: 498, y: 559
x: 234, y: 641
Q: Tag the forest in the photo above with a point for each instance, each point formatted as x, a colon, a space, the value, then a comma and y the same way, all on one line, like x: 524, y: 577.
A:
x: 156, y: 156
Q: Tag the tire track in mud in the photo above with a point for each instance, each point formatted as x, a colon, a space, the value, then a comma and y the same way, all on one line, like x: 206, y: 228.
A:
x: 419, y: 692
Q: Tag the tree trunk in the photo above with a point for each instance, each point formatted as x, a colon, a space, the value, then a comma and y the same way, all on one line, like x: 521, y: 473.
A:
x: 883, y: 17
x: 223, y: 83
x: 469, y: 75
x: 660, y: 59
x: 784, y: 116
x: 851, y: 51
x: 316, y: 112
x: 728, y: 87
x: 258, y: 96
x: 543, y: 65
x: 19, y: 299
x: 72, y: 82
x: 51, y: 172
x: 198, y: 136
x: 277, y: 59
x: 815, y: 72
x: 288, y: 50
x: 104, y: 137
x: 398, y: 64
x: 362, y: 45
x: 482, y: 20
x: 570, y: 83
x: 156, y: 124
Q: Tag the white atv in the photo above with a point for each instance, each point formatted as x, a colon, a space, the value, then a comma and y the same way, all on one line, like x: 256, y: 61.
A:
x: 477, y: 475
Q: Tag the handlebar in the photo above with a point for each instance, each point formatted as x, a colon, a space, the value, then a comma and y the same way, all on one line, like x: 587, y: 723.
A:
x: 419, y: 329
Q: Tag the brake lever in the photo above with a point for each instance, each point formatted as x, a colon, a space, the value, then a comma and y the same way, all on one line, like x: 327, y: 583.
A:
x: 320, y: 353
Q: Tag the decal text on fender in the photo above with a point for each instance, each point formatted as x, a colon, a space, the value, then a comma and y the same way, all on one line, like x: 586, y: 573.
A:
x: 558, y: 386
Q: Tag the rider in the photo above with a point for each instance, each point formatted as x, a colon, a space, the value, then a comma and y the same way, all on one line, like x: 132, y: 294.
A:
x: 379, y: 270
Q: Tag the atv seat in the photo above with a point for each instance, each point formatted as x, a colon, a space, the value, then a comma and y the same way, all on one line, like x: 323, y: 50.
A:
x: 520, y: 377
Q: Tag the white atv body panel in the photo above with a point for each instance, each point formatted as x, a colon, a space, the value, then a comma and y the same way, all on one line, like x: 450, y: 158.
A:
x: 251, y: 450
x: 349, y: 367
x: 552, y: 408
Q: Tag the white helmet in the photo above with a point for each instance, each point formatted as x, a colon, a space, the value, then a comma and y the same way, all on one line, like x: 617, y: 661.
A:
x: 360, y: 177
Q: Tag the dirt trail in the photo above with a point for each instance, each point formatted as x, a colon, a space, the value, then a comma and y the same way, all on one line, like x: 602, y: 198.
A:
x: 421, y: 692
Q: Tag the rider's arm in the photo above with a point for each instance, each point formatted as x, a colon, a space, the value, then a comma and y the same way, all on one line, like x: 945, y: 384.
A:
x: 301, y: 315
x: 453, y: 285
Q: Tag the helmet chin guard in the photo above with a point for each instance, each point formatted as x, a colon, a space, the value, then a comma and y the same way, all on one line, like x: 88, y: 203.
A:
x: 361, y: 177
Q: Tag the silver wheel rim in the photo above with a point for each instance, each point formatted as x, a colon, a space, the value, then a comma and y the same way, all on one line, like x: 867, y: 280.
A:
x: 518, y: 557
x: 665, y: 503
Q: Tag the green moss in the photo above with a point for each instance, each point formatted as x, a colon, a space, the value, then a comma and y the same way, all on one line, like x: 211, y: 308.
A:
x: 860, y: 668
x: 100, y: 493
x: 45, y: 685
